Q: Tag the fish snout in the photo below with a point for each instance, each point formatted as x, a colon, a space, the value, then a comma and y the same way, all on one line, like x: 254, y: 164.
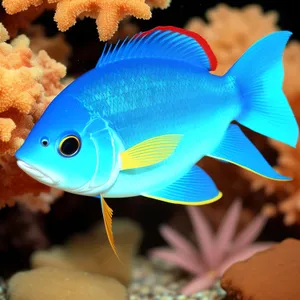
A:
x: 36, y: 173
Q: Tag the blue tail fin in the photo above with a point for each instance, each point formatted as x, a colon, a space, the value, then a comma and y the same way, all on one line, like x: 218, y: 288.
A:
x: 259, y: 75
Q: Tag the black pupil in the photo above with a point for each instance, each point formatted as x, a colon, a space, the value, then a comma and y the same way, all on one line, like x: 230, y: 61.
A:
x: 45, y: 143
x: 69, y: 146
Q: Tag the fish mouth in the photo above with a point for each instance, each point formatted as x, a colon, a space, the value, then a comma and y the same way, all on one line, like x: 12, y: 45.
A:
x: 37, y: 174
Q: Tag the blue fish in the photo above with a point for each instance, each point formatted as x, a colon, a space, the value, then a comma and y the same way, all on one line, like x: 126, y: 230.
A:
x: 138, y: 122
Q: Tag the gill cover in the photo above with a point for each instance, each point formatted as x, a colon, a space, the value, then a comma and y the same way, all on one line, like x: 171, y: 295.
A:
x: 106, y: 168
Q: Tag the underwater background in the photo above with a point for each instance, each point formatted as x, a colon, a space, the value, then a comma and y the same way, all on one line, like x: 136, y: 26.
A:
x: 53, y: 244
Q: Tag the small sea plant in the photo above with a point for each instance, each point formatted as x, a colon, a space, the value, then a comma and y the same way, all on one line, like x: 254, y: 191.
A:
x: 216, y: 251
x: 3, y: 290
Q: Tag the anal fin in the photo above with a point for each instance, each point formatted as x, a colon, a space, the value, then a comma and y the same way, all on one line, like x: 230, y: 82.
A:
x: 107, y: 218
x: 194, y: 188
x: 236, y: 148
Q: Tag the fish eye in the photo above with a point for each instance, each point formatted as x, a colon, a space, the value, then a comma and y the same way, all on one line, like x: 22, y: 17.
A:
x: 45, y: 142
x: 69, y: 146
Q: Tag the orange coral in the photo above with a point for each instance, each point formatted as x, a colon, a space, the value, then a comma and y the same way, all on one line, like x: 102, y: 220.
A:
x: 23, y: 19
x: 162, y: 4
x: 28, y: 83
x: 3, y: 34
x: 288, y: 163
x: 126, y: 29
x: 55, y: 46
x: 13, y: 7
x: 230, y: 32
x: 107, y: 13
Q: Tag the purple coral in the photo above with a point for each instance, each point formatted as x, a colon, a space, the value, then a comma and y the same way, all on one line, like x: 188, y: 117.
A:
x: 216, y: 251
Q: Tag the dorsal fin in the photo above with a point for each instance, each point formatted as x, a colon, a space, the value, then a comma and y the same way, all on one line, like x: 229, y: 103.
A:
x: 166, y: 42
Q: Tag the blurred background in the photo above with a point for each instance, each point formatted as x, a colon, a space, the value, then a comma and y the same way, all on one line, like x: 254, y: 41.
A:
x: 86, y: 45
x: 23, y: 231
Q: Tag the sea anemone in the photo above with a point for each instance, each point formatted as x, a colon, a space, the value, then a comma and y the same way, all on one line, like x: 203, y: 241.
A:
x: 216, y: 251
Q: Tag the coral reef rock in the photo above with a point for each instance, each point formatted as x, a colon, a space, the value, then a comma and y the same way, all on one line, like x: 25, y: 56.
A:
x: 271, y: 274
x: 92, y: 253
x: 51, y: 283
x: 153, y: 280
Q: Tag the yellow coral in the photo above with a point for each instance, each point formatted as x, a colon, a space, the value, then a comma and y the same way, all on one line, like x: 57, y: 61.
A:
x: 28, y: 83
x: 92, y: 253
x: 7, y: 125
x: 85, y: 268
x: 51, y: 283
x: 3, y: 33
x: 107, y: 13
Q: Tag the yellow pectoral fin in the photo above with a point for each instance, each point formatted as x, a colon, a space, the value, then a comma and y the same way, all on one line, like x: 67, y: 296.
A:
x: 107, y: 218
x: 150, y: 152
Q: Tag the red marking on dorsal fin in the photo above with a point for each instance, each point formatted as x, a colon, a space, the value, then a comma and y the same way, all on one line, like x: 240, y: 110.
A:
x: 199, y: 39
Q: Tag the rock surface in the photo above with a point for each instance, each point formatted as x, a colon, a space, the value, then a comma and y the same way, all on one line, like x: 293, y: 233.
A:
x: 91, y: 252
x: 51, y: 283
x: 272, y: 274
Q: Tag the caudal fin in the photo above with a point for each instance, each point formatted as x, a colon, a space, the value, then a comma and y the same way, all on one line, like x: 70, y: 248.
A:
x: 259, y: 75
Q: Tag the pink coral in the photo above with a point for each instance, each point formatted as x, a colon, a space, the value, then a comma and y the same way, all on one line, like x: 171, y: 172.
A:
x: 216, y: 252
